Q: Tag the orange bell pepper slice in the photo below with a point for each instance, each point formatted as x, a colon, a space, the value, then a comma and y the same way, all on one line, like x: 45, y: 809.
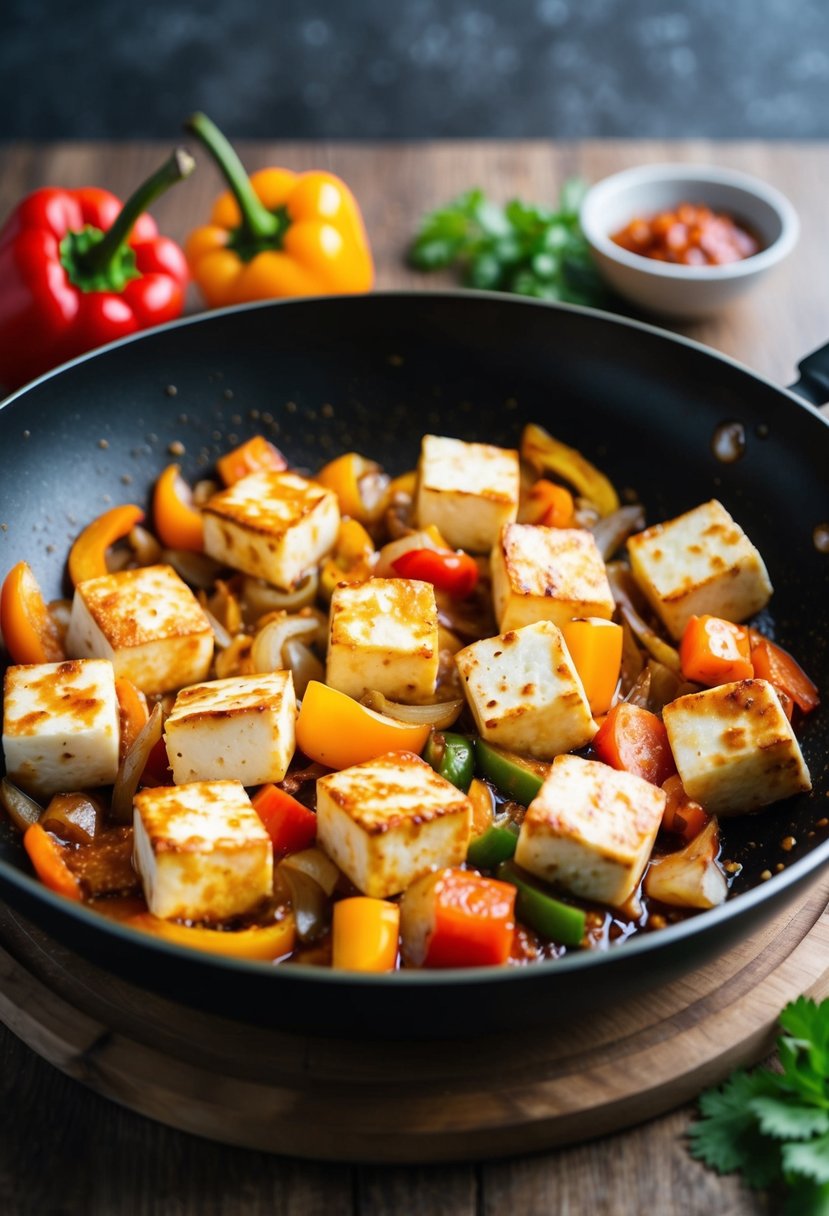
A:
x: 595, y: 646
x: 255, y: 455
x: 715, y: 651
x: 261, y: 943
x: 290, y: 825
x: 47, y: 857
x: 683, y: 816
x: 178, y: 523
x: 547, y: 504
x: 87, y: 557
x: 771, y: 662
x: 462, y: 919
x: 365, y: 934
x: 29, y: 632
x: 337, y: 731
x: 360, y: 486
x: 634, y: 740
x: 132, y: 711
x: 276, y: 233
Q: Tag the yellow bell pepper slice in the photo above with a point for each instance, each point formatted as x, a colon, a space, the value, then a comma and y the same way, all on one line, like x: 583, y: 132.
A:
x: 350, y: 559
x: 595, y: 647
x: 261, y: 943
x: 548, y: 455
x: 337, y: 731
x: 360, y: 485
x: 365, y: 934
x: 178, y: 523
x: 87, y: 557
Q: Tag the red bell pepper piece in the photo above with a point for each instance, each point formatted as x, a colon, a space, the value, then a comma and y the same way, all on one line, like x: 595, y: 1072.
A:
x: 771, y: 662
x: 78, y: 269
x: 635, y: 740
x: 290, y: 825
x: 455, y: 573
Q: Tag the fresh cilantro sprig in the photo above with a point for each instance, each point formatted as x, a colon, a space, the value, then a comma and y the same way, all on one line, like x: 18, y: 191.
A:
x: 522, y: 248
x: 773, y: 1126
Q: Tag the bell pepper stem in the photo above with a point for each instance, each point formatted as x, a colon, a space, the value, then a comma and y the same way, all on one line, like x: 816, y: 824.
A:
x: 258, y: 223
x: 180, y: 164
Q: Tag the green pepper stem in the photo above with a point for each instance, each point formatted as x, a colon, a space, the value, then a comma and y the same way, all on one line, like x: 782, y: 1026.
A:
x: 258, y: 223
x: 100, y: 256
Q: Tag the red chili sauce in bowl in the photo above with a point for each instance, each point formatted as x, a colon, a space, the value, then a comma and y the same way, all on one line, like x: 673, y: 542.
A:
x: 691, y: 234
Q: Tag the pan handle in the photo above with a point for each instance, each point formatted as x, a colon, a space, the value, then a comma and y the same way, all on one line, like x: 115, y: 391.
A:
x: 814, y: 377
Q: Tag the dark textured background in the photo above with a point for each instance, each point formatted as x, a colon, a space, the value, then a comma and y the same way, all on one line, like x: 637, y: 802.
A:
x: 416, y: 68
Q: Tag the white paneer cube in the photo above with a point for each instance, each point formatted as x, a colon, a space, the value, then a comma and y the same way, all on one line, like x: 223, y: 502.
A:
x: 61, y: 726
x: 547, y: 574
x: 734, y: 747
x: 389, y: 821
x: 243, y: 726
x: 147, y: 622
x: 467, y: 490
x: 275, y: 526
x: 383, y: 635
x: 525, y: 692
x: 590, y: 830
x: 201, y: 851
x: 701, y: 562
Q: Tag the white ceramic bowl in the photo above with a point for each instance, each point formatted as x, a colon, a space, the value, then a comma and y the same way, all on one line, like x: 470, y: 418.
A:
x: 673, y: 289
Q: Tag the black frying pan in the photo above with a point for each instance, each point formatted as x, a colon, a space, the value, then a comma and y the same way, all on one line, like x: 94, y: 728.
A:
x: 372, y: 374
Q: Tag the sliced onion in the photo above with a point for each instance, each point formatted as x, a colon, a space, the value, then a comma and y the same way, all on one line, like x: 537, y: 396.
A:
x: 656, y: 646
x: 133, y: 765
x: 197, y: 569
x: 396, y: 548
x: 267, y: 652
x: 203, y: 490
x: 311, y: 906
x: 690, y: 878
x: 20, y: 808
x: 220, y: 635
x: 75, y: 818
x: 442, y: 715
x: 145, y: 547
x: 261, y: 597
x: 316, y: 865
x: 303, y: 665
x: 639, y: 693
x: 611, y: 531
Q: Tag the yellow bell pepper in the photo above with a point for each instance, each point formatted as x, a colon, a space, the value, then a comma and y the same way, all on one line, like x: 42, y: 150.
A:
x: 595, y: 647
x: 360, y: 485
x: 87, y: 557
x: 338, y: 731
x: 365, y: 934
x: 262, y: 943
x: 350, y: 560
x: 548, y: 455
x: 178, y: 523
x: 276, y: 233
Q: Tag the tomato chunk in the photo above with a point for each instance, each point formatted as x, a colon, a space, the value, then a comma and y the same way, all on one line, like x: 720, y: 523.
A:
x: 635, y: 740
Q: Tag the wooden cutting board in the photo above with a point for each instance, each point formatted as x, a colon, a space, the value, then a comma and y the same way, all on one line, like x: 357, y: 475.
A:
x: 410, y: 1102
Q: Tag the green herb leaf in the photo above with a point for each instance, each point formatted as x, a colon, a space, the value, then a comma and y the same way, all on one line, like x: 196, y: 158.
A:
x: 522, y: 248
x: 773, y: 1125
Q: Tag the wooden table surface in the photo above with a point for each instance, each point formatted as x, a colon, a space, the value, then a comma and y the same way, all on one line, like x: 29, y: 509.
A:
x: 63, y: 1149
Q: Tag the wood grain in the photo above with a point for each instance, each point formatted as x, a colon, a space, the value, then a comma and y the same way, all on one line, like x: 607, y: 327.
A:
x: 63, y: 1149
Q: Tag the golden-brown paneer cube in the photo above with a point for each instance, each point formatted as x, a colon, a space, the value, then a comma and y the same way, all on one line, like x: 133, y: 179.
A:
x: 590, y: 830
x: 701, y: 562
x: 547, y: 574
x: 468, y: 491
x: 525, y: 692
x: 60, y: 726
x: 201, y: 851
x: 242, y: 726
x: 734, y: 747
x: 147, y: 622
x: 389, y: 821
x: 384, y: 636
x: 275, y: 526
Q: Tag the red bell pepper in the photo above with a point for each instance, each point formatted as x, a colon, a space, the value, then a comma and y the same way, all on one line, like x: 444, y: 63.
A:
x: 290, y: 825
x: 455, y: 573
x: 771, y: 662
x: 635, y: 740
x: 78, y: 269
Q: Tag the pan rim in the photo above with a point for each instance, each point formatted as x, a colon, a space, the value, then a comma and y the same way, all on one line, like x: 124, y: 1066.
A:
x: 699, y: 926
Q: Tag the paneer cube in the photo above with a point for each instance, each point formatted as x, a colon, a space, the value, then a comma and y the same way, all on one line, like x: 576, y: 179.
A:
x: 147, y: 622
x: 383, y: 635
x: 243, y: 726
x: 525, y: 692
x: 701, y: 562
x: 201, y: 851
x: 590, y: 830
x: 547, y: 574
x: 275, y: 526
x: 734, y: 747
x: 389, y: 821
x: 60, y: 726
x: 467, y: 490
